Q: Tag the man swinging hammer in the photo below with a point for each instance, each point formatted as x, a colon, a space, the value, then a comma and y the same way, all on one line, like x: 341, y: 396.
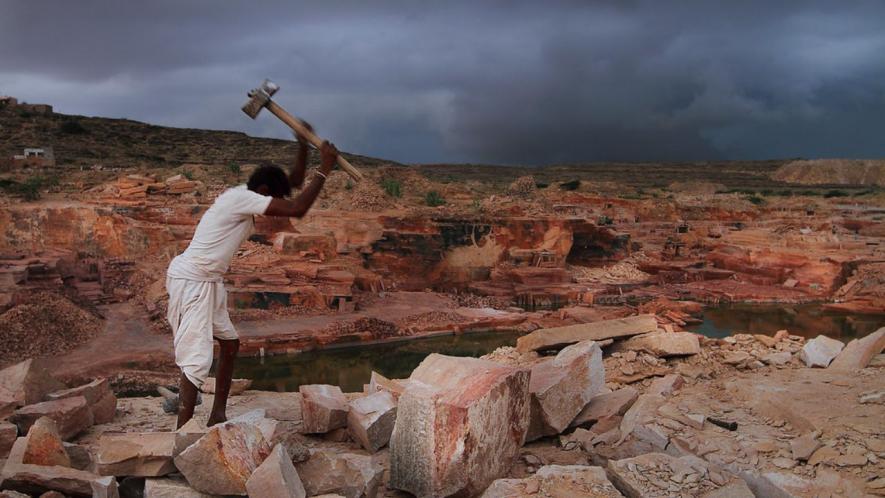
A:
x: 197, y: 309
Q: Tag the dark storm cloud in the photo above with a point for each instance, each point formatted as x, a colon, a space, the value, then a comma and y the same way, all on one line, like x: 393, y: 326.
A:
x: 500, y: 82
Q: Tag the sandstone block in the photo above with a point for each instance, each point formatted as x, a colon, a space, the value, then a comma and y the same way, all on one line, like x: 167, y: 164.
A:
x: 820, y: 351
x: 370, y: 420
x: 222, y: 460
x: 140, y: 454
x: 561, y: 386
x: 553, y: 338
x: 345, y: 474
x: 323, y: 408
x: 188, y: 434
x: 657, y: 475
x: 459, y: 426
x: 644, y: 410
x: 804, y: 446
x: 573, y: 481
x: 8, y: 433
x: 71, y: 415
x: 664, y: 344
x: 105, y: 409
x: 28, y: 478
x: 606, y: 405
x: 276, y: 477
x: 81, y: 458
x: 781, y: 358
x: 378, y: 382
x: 92, y: 391
x: 237, y: 386
x: 666, y: 385
x: 24, y: 383
x: 171, y: 487
x: 43, y: 446
x: 859, y: 352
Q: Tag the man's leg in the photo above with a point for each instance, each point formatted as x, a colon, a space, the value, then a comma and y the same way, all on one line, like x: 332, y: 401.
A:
x: 223, y: 377
x: 187, y: 400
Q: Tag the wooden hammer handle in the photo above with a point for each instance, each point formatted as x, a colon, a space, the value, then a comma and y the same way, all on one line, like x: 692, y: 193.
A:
x: 299, y: 128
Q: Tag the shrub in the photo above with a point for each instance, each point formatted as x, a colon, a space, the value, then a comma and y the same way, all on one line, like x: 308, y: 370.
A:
x: 187, y: 174
x: 434, y: 199
x: 30, y: 188
x: 755, y: 199
x: 570, y: 185
x: 392, y: 187
x: 348, y: 185
x: 233, y: 168
x: 72, y: 127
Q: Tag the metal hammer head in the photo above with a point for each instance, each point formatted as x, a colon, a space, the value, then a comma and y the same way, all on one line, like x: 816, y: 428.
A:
x: 259, y: 97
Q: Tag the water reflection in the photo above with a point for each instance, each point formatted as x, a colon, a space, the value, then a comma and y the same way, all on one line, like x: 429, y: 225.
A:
x: 807, y: 320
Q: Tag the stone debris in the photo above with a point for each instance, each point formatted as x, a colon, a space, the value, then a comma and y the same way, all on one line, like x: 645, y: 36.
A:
x: 606, y: 405
x: 43, y: 446
x: 654, y: 475
x: 804, y: 446
x: 643, y: 411
x: 71, y: 415
x: 666, y: 385
x: 171, y: 487
x: 460, y: 425
x: 222, y: 460
x: 562, y: 386
x: 276, y: 477
x: 820, y: 351
x: 323, y: 408
x: 80, y: 456
x: 371, y: 419
x: 145, y: 454
x: 781, y: 358
x: 237, y: 386
x: 663, y: 344
x: 859, y: 352
x: 554, y: 338
x: 346, y: 474
x: 572, y: 481
x: 23, y: 384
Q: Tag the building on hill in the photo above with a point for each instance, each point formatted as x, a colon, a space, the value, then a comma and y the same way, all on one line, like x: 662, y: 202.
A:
x: 7, y: 102
x: 34, y: 157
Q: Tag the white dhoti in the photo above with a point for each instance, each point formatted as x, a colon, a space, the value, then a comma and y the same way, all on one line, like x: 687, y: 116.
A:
x: 197, y: 313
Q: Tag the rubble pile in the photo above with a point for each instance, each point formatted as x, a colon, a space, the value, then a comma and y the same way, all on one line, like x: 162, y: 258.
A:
x: 370, y: 328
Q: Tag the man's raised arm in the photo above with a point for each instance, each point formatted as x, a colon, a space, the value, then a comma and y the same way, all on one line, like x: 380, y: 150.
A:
x: 296, y: 174
x: 300, y: 205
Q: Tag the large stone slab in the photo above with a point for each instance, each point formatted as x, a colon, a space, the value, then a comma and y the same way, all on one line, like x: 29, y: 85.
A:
x: 171, y: 487
x: 459, y: 426
x: 561, y: 386
x: 657, y: 475
x: 71, y: 415
x: 663, y: 344
x: 8, y: 433
x: 105, y: 409
x: 237, y: 386
x: 37, y: 479
x: 92, y: 391
x: 345, y: 474
x: 370, y: 420
x: 222, y: 460
x: 606, y: 405
x: 43, y: 446
x: 859, y: 352
x: 140, y: 454
x: 378, y: 382
x: 276, y: 477
x: 558, y: 337
x: 323, y: 408
x: 23, y: 384
x: 820, y: 351
x: 556, y: 481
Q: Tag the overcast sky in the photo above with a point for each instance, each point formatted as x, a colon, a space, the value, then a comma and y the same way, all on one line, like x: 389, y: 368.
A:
x: 491, y: 82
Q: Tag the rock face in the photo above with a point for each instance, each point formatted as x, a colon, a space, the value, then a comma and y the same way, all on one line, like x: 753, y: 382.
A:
x: 606, y: 405
x: 276, y: 477
x: 345, y: 474
x: 43, y: 446
x: 859, y: 352
x: 24, y: 383
x: 71, y: 415
x: 557, y: 337
x: 323, y: 408
x: 459, y: 426
x: 561, y: 386
x: 222, y: 460
x: 370, y: 420
x: 820, y: 351
x: 573, y: 481
x: 147, y: 454
x: 654, y: 475
x: 664, y: 344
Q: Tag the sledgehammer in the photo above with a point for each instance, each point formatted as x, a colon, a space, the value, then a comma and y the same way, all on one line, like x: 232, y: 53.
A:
x: 260, y: 98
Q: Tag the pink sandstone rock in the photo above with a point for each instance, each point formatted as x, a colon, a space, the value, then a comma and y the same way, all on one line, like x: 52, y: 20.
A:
x: 560, y: 387
x: 92, y: 391
x: 595, y: 331
x: 573, y: 481
x: 23, y: 384
x: 606, y: 405
x: 858, y: 353
x: 346, y: 474
x: 276, y: 477
x: 43, y: 446
x: 323, y: 408
x: 72, y: 416
x: 820, y: 351
x: 460, y: 425
x: 664, y: 344
x: 8, y: 433
x: 105, y: 409
x: 39, y: 478
x: 370, y: 420
x: 140, y: 454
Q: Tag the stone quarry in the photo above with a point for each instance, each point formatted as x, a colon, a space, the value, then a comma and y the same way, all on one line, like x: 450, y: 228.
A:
x: 614, y: 387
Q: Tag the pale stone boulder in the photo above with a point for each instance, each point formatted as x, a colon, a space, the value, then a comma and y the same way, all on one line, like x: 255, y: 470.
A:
x: 43, y: 446
x: 171, y: 487
x: 859, y: 352
x: 459, y: 426
x: 606, y: 405
x: 572, y: 481
x: 99, y: 398
x: 346, y: 474
x: 23, y: 384
x: 276, y: 477
x: 653, y: 474
x: 140, y: 454
x: 666, y: 385
x: 370, y: 420
x: 28, y: 478
x: 558, y: 337
x: 560, y: 387
x: 663, y: 344
x: 188, y: 434
x: 378, y: 382
x: 71, y: 415
x: 222, y: 460
x: 323, y: 408
x: 820, y: 351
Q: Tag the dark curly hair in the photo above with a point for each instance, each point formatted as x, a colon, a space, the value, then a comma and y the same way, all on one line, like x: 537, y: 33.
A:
x: 273, y: 177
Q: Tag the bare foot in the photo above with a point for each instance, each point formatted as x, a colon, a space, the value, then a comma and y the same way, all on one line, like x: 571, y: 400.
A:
x: 213, y: 420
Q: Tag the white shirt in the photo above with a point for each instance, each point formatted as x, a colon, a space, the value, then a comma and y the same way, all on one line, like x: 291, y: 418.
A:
x: 219, y: 234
